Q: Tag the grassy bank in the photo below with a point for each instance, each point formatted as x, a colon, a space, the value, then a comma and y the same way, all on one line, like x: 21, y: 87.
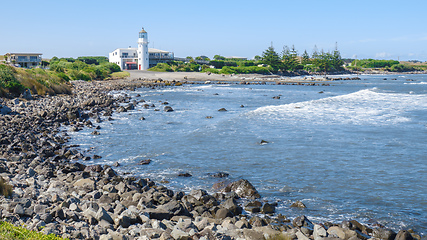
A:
x: 11, y: 232
x: 14, y: 81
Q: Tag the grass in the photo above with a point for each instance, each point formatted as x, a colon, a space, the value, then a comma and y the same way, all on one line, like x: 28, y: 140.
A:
x: 11, y: 232
x: 119, y: 75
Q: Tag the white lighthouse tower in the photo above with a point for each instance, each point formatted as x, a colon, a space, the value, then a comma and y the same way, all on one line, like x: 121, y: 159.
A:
x: 143, y: 50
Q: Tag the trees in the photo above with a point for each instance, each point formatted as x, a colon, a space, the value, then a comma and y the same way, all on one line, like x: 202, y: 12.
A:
x: 305, y: 58
x: 219, y: 57
x: 271, y: 57
x: 290, y: 59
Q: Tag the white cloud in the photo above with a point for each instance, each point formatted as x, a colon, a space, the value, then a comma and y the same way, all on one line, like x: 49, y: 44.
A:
x: 382, y: 55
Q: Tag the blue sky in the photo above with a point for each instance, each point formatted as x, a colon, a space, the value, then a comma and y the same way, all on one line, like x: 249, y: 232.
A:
x: 366, y: 29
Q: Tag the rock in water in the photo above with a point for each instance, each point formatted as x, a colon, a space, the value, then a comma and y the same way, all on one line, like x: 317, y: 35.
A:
x: 168, y: 109
x: 144, y: 162
x: 222, y: 110
x: 298, y: 204
x: 243, y: 188
x: 184, y: 175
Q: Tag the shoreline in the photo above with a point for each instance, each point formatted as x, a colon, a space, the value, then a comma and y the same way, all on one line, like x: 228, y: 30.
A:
x: 199, y: 77
x: 55, y: 190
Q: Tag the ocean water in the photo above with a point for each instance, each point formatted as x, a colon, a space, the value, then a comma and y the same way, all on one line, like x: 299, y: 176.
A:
x: 352, y: 150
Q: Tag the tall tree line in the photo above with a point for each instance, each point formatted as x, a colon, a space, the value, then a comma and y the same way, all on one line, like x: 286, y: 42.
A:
x: 290, y: 61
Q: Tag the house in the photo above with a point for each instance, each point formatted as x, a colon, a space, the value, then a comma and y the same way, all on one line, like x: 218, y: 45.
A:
x: 140, y: 58
x: 26, y: 60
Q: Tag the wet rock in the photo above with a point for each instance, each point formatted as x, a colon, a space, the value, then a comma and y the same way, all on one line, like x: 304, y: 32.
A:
x: 243, y: 188
x: 268, y: 208
x: 144, y: 162
x: 404, y: 235
x: 219, y: 175
x: 253, y: 207
x: 168, y: 109
x: 184, y: 175
x: 298, y: 204
x: 384, y: 234
x: 302, y: 221
x: 222, y: 110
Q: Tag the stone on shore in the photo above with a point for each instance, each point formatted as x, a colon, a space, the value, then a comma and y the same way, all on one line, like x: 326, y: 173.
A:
x: 243, y: 188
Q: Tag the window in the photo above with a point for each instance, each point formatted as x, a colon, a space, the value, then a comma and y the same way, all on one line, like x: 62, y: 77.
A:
x: 22, y: 58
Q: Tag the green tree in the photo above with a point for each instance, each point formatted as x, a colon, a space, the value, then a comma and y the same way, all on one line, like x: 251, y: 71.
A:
x: 219, y: 57
x: 290, y: 58
x: 337, y: 62
x: 305, y: 58
x: 271, y: 57
x: 257, y: 58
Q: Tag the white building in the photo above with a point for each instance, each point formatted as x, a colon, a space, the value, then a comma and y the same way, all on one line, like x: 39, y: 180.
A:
x: 26, y: 60
x: 140, y: 58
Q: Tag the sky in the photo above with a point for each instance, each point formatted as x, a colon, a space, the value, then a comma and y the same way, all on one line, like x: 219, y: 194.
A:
x: 361, y: 29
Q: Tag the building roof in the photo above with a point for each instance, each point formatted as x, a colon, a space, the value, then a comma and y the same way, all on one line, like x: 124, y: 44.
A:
x: 153, y: 50
x: 235, y: 57
x: 142, y: 31
x: 24, y: 53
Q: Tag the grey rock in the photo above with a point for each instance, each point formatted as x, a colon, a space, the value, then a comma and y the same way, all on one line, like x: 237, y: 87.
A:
x: 268, y: 208
x: 243, y: 188
x: 102, y: 214
x: 404, y: 235
x: 231, y: 205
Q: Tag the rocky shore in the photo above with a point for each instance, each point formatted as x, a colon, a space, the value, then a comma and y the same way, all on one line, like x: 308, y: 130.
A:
x: 53, y: 191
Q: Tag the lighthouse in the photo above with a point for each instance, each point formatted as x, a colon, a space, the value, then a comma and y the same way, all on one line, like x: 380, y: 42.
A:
x: 143, y: 50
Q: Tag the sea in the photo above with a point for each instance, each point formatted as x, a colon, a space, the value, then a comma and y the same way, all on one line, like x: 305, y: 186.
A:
x: 353, y: 150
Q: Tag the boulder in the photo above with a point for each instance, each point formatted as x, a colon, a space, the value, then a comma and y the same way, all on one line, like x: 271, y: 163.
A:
x: 102, y: 214
x: 268, y: 208
x: 253, y: 207
x: 298, y: 204
x: 223, y: 213
x: 319, y: 232
x: 175, y: 208
x: 243, y: 188
x: 404, y: 235
x: 5, y: 109
x: 158, y: 213
x: 231, y: 205
x: 168, y: 109
x: 302, y: 221
x: 384, y: 234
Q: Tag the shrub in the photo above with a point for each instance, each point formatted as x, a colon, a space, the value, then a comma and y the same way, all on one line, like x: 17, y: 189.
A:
x: 211, y: 70
x: 8, y: 80
x: 401, y: 68
x: 161, y: 67
x: 9, y: 231
x: 63, y: 76
x: 112, y: 67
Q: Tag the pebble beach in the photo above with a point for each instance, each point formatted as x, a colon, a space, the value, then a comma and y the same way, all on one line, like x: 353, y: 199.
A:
x: 56, y: 192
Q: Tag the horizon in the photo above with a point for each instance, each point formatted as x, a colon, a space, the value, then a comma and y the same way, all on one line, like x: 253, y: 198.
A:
x: 368, y: 29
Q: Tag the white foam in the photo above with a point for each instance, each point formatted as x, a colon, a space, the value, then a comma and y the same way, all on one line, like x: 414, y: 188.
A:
x: 359, y: 108
x: 416, y: 83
